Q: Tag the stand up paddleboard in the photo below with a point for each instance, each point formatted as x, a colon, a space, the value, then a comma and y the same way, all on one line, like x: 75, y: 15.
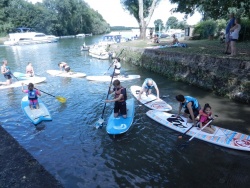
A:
x: 151, y: 100
x: 66, y: 74
x: 22, y: 76
x: 222, y: 137
x: 34, y: 80
x: 35, y: 115
x: 107, y: 78
x: 121, y: 125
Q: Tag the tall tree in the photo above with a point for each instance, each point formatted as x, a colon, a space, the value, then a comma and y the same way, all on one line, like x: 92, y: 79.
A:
x: 172, y: 22
x: 142, y: 10
x: 158, y: 25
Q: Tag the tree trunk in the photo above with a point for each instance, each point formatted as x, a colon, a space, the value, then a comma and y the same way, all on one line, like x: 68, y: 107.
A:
x: 143, y: 22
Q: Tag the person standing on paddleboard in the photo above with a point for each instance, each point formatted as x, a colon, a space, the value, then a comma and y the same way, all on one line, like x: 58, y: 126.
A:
x: 119, y: 99
x: 32, y: 95
x: 64, y: 66
x: 5, y: 70
x: 147, y: 87
x: 191, y: 106
x: 117, y: 66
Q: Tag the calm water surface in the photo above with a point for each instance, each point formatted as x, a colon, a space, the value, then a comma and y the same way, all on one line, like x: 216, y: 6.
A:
x: 79, y: 155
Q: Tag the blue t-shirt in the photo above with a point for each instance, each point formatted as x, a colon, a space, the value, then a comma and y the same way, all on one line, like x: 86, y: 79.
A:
x: 229, y: 25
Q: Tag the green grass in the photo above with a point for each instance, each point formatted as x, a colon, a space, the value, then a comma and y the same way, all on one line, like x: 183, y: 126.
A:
x: 198, y: 47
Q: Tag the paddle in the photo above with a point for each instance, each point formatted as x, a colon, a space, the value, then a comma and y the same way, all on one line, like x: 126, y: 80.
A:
x: 112, y: 63
x: 215, y: 116
x: 155, y: 99
x: 184, y: 144
x: 99, y: 123
x: 59, y: 98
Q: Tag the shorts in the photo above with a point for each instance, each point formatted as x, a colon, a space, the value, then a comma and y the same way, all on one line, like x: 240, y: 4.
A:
x: 195, y: 111
x: 234, y: 40
x: 227, y: 39
x: 8, y: 77
x: 33, y: 102
x: 67, y: 69
x: 120, y: 107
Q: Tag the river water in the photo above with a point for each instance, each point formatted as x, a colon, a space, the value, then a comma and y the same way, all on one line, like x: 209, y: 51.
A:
x: 79, y: 155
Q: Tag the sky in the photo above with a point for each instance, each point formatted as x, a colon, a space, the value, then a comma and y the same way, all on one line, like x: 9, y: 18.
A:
x: 113, y: 13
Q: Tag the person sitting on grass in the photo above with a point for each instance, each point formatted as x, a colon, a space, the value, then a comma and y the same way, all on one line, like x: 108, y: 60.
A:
x: 175, y: 40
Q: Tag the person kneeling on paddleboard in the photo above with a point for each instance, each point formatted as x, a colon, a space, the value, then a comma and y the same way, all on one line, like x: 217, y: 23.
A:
x: 32, y: 95
x: 64, y: 66
x: 205, y: 117
x: 147, y: 87
x: 191, y: 106
x: 119, y: 99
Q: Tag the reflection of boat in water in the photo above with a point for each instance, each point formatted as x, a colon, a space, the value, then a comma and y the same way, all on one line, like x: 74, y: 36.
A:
x: 23, y: 36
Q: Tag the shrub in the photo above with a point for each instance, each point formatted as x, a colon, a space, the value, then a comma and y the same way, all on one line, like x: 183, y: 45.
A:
x: 205, y: 29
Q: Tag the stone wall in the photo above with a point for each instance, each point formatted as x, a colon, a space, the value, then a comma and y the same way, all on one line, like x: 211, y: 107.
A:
x: 224, y: 76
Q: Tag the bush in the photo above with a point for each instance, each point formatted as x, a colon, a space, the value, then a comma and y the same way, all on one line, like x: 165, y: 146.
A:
x: 205, y: 29
x: 245, y: 30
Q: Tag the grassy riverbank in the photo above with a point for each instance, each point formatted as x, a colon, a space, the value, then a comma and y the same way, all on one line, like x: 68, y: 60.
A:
x: 198, y: 47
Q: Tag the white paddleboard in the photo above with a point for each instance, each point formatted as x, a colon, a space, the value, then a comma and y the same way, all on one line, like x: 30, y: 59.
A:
x: 108, y: 78
x: 66, y: 74
x: 151, y: 100
x: 22, y: 76
x: 35, y: 115
x: 34, y: 80
x: 222, y: 137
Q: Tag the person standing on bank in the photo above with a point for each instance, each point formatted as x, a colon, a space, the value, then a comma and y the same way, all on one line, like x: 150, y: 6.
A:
x: 5, y: 70
x: 117, y: 66
x: 147, y: 87
x: 234, y: 36
x: 120, y: 99
x: 191, y: 106
x: 227, y: 39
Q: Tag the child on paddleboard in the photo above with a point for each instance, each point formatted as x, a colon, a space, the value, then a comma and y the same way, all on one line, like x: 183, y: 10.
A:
x: 147, y: 87
x: 32, y: 95
x: 30, y: 70
x: 64, y: 66
x: 205, y: 117
x: 119, y: 99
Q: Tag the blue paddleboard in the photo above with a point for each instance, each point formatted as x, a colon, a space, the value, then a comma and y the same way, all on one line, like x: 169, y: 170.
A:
x: 121, y: 125
x: 35, y: 115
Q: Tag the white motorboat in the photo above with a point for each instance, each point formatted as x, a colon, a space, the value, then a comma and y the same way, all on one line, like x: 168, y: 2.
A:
x: 23, y: 36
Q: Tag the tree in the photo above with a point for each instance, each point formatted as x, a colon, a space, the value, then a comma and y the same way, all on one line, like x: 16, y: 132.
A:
x: 158, y: 25
x: 212, y: 9
x: 172, y: 22
x: 142, y: 10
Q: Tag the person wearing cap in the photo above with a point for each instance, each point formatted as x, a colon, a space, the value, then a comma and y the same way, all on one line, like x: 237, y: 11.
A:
x: 147, y: 87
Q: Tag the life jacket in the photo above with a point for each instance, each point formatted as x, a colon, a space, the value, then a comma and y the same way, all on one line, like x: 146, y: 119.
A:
x: 32, y: 94
x: 118, y: 92
x: 118, y: 68
x: 193, y: 100
x: 7, y: 73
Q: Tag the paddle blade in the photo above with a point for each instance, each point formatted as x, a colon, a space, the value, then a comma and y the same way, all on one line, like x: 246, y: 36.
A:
x: 61, y: 99
x: 99, y: 123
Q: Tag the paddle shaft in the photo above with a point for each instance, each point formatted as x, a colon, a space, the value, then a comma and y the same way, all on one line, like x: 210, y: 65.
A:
x: 108, y: 93
x: 202, y: 128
